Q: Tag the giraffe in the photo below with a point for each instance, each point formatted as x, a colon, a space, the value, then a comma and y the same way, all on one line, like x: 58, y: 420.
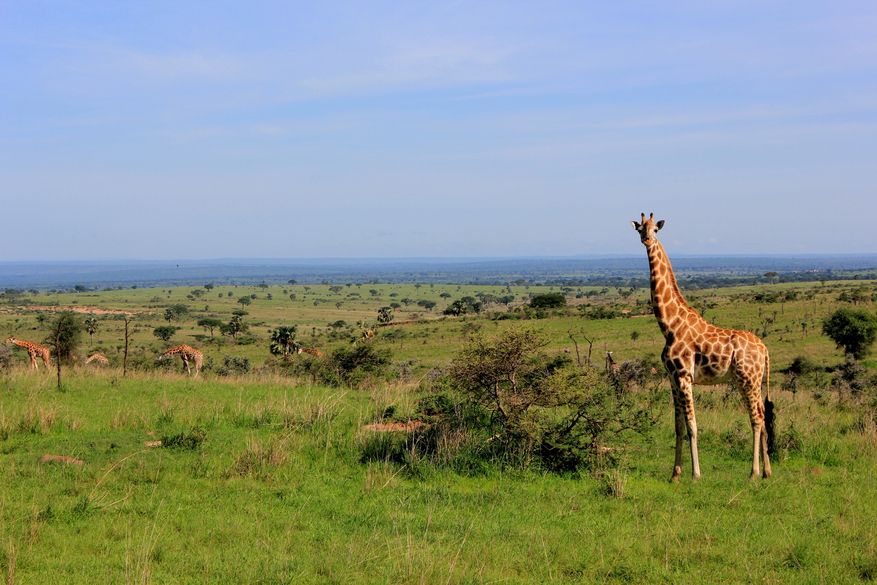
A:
x: 98, y: 358
x: 33, y: 350
x: 186, y: 353
x: 697, y: 352
x: 313, y: 352
x: 611, y: 365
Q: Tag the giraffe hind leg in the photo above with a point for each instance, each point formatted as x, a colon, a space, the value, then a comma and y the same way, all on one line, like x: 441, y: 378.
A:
x: 679, y: 424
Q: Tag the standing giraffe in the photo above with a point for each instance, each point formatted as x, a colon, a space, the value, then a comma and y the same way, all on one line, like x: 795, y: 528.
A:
x: 611, y: 365
x: 186, y: 353
x: 313, y: 352
x: 33, y: 350
x: 697, y: 352
x: 99, y: 359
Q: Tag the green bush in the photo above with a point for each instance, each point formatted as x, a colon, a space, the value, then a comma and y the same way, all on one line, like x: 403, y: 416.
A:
x: 548, y: 301
x: 854, y: 331
x: 545, y: 411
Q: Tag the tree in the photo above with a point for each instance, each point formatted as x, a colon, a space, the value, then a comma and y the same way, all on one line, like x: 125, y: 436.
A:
x: 91, y: 326
x: 385, y: 314
x: 175, y: 312
x: 854, y: 331
x: 426, y: 304
x: 209, y: 286
x: 235, y: 326
x: 464, y: 306
x: 548, y: 301
x: 209, y: 323
x: 164, y: 332
x: 771, y: 275
x: 244, y: 301
x: 283, y: 340
x: 64, y: 337
x: 545, y: 408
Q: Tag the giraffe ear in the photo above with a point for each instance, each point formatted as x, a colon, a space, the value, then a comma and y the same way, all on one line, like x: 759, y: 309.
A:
x: 660, y: 224
x: 635, y: 225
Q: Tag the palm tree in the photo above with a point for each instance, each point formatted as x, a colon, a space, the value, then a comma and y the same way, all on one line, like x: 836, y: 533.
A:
x: 91, y: 326
x: 283, y: 340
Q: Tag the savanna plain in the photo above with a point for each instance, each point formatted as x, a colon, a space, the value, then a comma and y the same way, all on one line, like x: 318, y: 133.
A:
x: 367, y: 464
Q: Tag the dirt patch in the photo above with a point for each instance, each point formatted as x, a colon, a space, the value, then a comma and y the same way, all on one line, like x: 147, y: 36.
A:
x: 80, y: 309
x: 60, y: 459
x: 394, y: 426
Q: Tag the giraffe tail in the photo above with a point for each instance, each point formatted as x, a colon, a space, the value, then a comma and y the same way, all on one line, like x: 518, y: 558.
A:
x: 769, y: 414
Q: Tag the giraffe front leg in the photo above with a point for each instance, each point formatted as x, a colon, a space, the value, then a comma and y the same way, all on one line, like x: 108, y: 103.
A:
x: 186, y: 363
x: 757, y: 432
x: 686, y: 396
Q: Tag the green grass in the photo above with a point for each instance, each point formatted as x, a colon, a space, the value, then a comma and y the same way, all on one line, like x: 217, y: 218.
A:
x: 267, y: 483
x: 277, y: 492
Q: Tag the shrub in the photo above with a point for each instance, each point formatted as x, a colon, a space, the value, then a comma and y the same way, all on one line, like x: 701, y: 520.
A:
x: 358, y: 362
x: 190, y: 439
x: 854, y: 331
x: 598, y: 312
x: 234, y: 365
x: 164, y: 332
x: 545, y: 410
x: 548, y: 301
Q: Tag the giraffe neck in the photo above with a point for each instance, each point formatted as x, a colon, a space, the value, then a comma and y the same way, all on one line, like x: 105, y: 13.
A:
x: 667, y: 300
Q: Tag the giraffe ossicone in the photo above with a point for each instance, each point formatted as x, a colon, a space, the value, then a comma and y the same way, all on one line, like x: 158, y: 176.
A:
x: 697, y: 352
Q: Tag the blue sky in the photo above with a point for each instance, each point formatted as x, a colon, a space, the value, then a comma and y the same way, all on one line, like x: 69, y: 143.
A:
x: 197, y: 130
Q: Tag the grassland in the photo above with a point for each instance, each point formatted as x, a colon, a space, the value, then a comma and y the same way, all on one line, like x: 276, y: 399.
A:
x: 267, y: 483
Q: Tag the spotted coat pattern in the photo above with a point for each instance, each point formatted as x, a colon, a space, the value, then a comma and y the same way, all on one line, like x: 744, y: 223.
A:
x: 313, y: 352
x: 697, y: 352
x: 99, y: 359
x: 33, y: 350
x: 187, y: 354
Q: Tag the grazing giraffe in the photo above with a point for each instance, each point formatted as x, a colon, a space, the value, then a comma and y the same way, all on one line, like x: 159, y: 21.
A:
x: 33, y: 350
x: 697, y: 352
x: 99, y: 358
x: 186, y: 353
x: 313, y: 352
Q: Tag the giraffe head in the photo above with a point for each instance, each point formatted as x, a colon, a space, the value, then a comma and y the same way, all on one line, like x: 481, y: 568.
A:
x: 648, y: 229
x: 10, y: 340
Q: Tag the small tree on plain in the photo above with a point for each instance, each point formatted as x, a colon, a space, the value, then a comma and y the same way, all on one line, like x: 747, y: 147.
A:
x: 283, y: 340
x: 854, y: 331
x: 64, y: 337
x: 165, y: 332
x: 91, y: 326
x: 209, y: 323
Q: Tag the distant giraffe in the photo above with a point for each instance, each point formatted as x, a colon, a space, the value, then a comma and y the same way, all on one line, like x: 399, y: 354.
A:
x: 99, y: 359
x: 697, y: 352
x: 611, y: 365
x: 313, y: 352
x: 33, y: 350
x: 186, y: 353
